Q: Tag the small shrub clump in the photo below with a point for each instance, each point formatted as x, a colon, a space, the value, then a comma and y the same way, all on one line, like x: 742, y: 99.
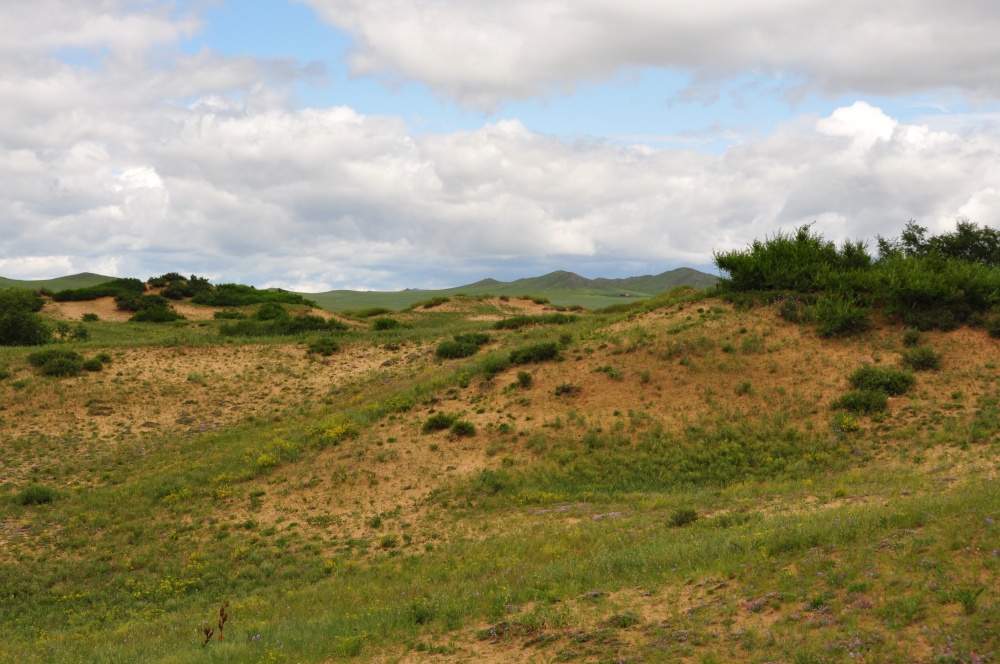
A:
x: 892, y: 382
x: 438, y: 422
x: 91, y: 318
x: 325, y: 346
x: 568, y: 389
x: 534, y: 353
x: 463, y: 428
x: 93, y: 364
x: 229, y: 314
x: 683, y: 516
x: 464, y: 345
x: 35, y: 494
x: 864, y: 402
x: 524, y: 379
x: 911, y: 337
x: 922, y: 358
x: 384, y: 323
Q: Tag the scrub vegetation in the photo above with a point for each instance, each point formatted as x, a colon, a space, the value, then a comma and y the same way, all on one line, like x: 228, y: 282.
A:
x: 701, y: 476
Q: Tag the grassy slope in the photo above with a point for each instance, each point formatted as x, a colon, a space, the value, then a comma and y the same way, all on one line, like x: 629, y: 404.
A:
x: 82, y: 280
x: 557, y: 532
x: 563, y: 288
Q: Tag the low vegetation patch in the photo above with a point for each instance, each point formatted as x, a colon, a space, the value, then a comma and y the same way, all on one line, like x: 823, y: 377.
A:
x: 518, y: 322
x: 892, y: 382
x: 438, y: 422
x: 922, y: 358
x: 864, y: 402
x: 541, y: 352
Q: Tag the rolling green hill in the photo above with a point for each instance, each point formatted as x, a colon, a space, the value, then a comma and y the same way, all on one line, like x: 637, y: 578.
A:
x: 82, y: 280
x: 560, y: 287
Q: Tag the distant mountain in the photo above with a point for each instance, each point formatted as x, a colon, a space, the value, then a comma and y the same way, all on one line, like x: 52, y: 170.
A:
x: 560, y: 287
x: 82, y: 280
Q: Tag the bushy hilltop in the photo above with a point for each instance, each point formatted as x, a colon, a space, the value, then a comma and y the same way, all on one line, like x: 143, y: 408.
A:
x: 699, y: 476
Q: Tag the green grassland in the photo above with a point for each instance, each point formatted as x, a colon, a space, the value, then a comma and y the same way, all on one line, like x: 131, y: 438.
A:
x: 680, y: 479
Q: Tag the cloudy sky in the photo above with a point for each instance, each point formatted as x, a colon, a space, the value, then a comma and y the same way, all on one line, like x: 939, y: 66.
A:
x: 385, y: 144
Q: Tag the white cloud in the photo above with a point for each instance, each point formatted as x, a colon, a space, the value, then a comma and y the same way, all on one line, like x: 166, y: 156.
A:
x: 482, y: 53
x: 200, y: 164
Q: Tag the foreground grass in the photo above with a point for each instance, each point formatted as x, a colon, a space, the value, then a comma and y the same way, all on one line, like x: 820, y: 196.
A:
x: 756, y: 527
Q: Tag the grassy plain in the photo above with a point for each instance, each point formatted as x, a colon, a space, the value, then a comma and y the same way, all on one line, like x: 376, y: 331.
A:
x: 676, y: 486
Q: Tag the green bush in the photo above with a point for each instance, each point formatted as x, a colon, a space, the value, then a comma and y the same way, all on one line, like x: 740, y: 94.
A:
x: 922, y: 358
x: 494, y: 364
x: 438, y: 422
x: 42, y: 357
x: 463, y: 428
x: 911, y: 337
x: 477, y: 338
x: 524, y: 379
x: 287, y: 326
x: 19, y: 324
x: 156, y: 315
x: 517, y: 322
x: 270, y: 311
x: 993, y: 326
x: 683, y: 516
x: 112, y: 288
x: 5, y: 372
x: 890, y: 381
x: 93, y: 364
x: 35, y: 494
x: 839, y: 315
x: 325, y: 346
x: 91, y: 318
x: 567, y: 389
x: 229, y: 314
x: 863, y: 401
x: 453, y: 350
x: 104, y: 357
x: 238, y: 295
x: 62, y: 367
x: 794, y: 310
x: 534, y: 353
x: 383, y: 324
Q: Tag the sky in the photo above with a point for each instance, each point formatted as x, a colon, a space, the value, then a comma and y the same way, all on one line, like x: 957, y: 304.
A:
x: 389, y: 144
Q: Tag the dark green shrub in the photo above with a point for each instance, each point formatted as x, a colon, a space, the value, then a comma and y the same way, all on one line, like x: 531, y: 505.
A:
x: 568, y: 389
x: 430, y: 303
x: 238, y: 295
x: 105, y: 358
x: 891, y: 381
x: 575, y: 307
x: 229, y: 314
x: 35, y: 494
x: 911, y: 337
x: 992, y: 325
x: 438, y: 422
x: 93, y: 364
x: 839, y: 315
x: 62, y: 367
x: 91, y: 318
x: 477, y: 338
x: 463, y: 428
x: 42, y: 357
x: 19, y: 324
x: 524, y: 379
x: 863, y: 401
x: 517, y: 322
x: 112, y: 288
x: 290, y: 325
x: 270, y: 311
x: 793, y: 310
x: 5, y: 372
x: 453, y: 350
x: 683, y: 516
x: 922, y: 358
x: 534, y: 353
x: 325, y: 346
x: 383, y: 324
x: 156, y: 315
x: 494, y: 364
